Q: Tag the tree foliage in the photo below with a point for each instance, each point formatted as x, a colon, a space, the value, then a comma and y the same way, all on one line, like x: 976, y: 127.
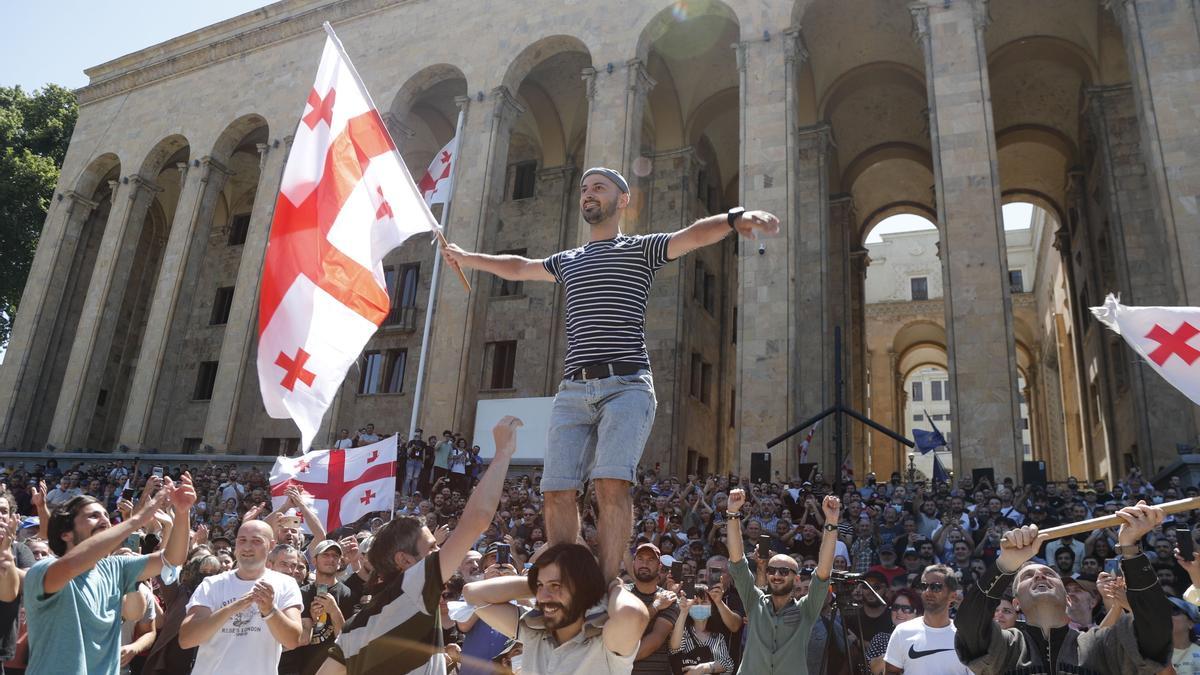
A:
x: 35, y: 130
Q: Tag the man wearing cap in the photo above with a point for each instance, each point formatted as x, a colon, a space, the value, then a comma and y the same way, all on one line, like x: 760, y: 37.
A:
x: 1185, y: 655
x: 327, y: 603
x: 605, y: 404
x: 653, y: 655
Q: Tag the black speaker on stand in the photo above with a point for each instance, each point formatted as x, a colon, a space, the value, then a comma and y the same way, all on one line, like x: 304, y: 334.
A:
x: 760, y: 467
x: 1033, y: 473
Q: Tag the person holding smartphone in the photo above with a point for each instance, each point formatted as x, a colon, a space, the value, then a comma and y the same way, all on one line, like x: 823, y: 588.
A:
x: 326, y: 602
x: 695, y: 649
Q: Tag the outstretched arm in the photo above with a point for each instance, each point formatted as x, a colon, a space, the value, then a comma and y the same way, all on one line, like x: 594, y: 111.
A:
x: 832, y: 509
x: 511, y: 267
x: 712, y: 229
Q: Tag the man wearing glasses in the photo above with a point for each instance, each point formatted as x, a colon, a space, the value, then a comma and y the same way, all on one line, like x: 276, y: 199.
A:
x: 926, y: 644
x: 780, y: 626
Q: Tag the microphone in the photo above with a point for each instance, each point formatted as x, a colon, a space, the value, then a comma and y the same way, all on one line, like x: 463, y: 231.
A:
x: 762, y: 248
x: 835, y: 575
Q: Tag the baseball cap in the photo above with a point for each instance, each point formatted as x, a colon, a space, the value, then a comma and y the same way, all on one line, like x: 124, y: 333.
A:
x: 910, y: 551
x: 610, y: 174
x: 327, y: 544
x: 1193, y: 614
x: 648, y: 545
x: 667, y: 560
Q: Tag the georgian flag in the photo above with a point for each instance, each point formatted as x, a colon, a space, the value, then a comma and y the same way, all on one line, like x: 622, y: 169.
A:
x: 435, y: 184
x: 345, y: 201
x: 340, y: 485
x: 1166, y: 337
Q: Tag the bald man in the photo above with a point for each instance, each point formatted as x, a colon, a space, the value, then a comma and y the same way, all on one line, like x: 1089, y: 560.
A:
x: 243, y: 619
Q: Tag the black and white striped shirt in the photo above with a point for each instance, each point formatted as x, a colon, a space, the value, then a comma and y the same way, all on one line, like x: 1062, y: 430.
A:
x: 608, y: 283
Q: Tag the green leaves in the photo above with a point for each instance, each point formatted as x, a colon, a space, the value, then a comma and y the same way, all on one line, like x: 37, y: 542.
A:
x: 35, y: 130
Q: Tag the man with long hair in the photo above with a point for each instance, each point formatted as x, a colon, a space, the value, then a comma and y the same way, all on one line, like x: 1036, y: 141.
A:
x: 779, y: 625
x: 400, y: 630
x: 605, y: 404
x: 558, y: 635
x: 1139, y: 642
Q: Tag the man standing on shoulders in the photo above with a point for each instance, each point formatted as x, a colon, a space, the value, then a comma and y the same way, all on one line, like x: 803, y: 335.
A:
x: 926, y: 644
x: 243, y: 619
x: 779, y: 625
x: 558, y: 635
x: 400, y: 631
x: 605, y: 405
x: 72, y: 602
x: 1140, y: 641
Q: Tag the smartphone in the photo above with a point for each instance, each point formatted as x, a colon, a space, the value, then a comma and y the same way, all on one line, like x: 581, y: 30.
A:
x: 127, y: 494
x: 503, y: 554
x: 1187, y: 545
x: 322, y: 588
x: 689, y: 585
x: 764, y: 546
x: 677, y: 570
x: 158, y: 471
x: 1113, y: 566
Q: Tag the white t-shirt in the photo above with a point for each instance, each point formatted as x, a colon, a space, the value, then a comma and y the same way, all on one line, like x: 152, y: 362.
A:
x: 1186, y: 660
x: 244, y: 645
x: 918, y: 649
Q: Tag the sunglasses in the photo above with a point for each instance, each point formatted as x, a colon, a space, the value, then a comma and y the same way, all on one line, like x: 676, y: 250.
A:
x: 780, y: 571
x: 904, y: 609
x: 936, y: 586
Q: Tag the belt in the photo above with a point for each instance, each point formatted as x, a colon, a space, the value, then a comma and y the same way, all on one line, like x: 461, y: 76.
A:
x: 597, y: 371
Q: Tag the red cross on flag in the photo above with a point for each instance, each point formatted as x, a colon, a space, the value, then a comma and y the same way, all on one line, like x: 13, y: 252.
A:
x: 435, y: 184
x: 1167, y: 337
x: 341, y: 485
x: 345, y: 201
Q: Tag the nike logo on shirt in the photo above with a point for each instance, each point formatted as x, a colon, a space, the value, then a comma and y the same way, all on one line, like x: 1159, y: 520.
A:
x: 914, y: 654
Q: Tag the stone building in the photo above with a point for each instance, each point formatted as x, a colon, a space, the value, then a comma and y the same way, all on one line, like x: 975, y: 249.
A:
x: 135, y: 328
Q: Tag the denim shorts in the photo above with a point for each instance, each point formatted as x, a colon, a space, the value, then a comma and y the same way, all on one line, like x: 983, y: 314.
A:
x: 598, y: 429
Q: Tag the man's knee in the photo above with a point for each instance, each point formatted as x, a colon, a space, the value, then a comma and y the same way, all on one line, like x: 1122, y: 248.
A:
x: 611, y: 488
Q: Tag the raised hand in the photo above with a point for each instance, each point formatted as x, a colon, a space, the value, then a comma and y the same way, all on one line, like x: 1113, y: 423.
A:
x: 441, y: 534
x: 754, y: 222
x: 254, y: 511
x: 264, y: 596
x: 1139, y: 521
x: 453, y: 254
x: 505, y: 434
x: 832, y: 508
x: 200, y: 536
x: 1017, y: 546
x: 737, y: 499
x: 662, y: 600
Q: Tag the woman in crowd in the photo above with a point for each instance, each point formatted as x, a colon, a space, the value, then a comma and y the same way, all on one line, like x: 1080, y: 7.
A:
x: 695, y: 649
x: 905, y: 607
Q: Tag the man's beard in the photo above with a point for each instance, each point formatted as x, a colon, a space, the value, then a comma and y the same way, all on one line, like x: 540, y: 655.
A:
x: 645, y: 575
x: 782, y: 590
x: 870, y: 600
x: 600, y: 214
x: 564, y: 617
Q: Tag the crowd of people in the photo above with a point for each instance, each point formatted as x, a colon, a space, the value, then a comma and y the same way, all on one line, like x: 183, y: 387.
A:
x: 714, y: 564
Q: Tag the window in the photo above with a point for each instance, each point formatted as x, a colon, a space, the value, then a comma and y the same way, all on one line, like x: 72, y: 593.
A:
x: 693, y: 460
x: 734, y: 324
x: 501, y: 358
x: 206, y: 377
x: 102, y: 398
x: 1025, y: 423
x: 1015, y: 283
x: 221, y: 305
x: 697, y: 375
x: 706, y: 376
x: 935, y: 391
x: 698, y: 282
x: 191, y: 445
x: 524, y: 179
x: 920, y: 288
x: 710, y: 293
x: 278, y: 447
x: 918, y: 391
x: 732, y: 407
x: 397, y: 363
x: 239, y: 225
x: 503, y: 288
x: 917, y: 418
x: 402, y: 284
x: 371, y: 373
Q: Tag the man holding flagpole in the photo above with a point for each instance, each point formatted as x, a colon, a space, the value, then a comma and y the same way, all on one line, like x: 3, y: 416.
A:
x: 605, y: 404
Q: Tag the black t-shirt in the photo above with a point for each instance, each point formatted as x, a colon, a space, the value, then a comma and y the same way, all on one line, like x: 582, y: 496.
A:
x: 308, y: 658
x: 416, y: 450
x: 870, y: 626
x: 660, y: 660
x: 9, y: 611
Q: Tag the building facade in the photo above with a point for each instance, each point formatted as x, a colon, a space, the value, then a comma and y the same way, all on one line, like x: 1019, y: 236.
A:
x: 136, y: 325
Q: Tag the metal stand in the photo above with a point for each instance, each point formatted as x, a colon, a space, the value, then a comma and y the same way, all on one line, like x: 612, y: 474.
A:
x: 843, y: 600
x: 840, y: 408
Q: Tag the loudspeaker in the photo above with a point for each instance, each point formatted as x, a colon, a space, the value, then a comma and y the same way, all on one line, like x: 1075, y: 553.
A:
x: 760, y: 467
x: 1033, y: 473
x: 978, y: 474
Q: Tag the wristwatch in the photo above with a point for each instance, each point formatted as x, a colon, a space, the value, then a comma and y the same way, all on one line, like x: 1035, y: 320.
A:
x: 830, y: 527
x: 733, y: 214
x: 1121, y: 550
x: 734, y: 515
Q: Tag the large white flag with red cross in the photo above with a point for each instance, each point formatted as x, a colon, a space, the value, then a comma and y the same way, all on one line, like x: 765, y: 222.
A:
x: 345, y: 201
x: 1165, y: 336
x: 340, y: 485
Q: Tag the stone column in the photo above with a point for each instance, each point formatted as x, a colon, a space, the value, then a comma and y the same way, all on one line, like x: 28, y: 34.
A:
x: 1162, y: 39
x: 241, y: 331
x: 855, y: 336
x: 478, y: 190
x: 979, y: 333
x: 189, y: 230
x: 562, y: 178
x: 616, y: 97
x: 40, y: 303
x: 93, y: 335
x: 767, y: 374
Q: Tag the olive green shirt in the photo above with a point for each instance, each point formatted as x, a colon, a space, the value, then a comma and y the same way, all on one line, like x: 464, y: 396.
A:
x: 776, y: 642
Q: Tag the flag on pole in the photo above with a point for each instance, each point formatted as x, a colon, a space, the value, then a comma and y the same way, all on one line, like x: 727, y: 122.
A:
x: 435, y: 184
x: 807, y: 442
x: 848, y: 467
x: 928, y: 440
x: 940, y: 475
x: 343, y: 485
x: 345, y: 201
x: 1166, y: 337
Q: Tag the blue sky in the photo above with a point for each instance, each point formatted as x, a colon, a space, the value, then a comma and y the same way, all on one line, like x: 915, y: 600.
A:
x: 55, y: 41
